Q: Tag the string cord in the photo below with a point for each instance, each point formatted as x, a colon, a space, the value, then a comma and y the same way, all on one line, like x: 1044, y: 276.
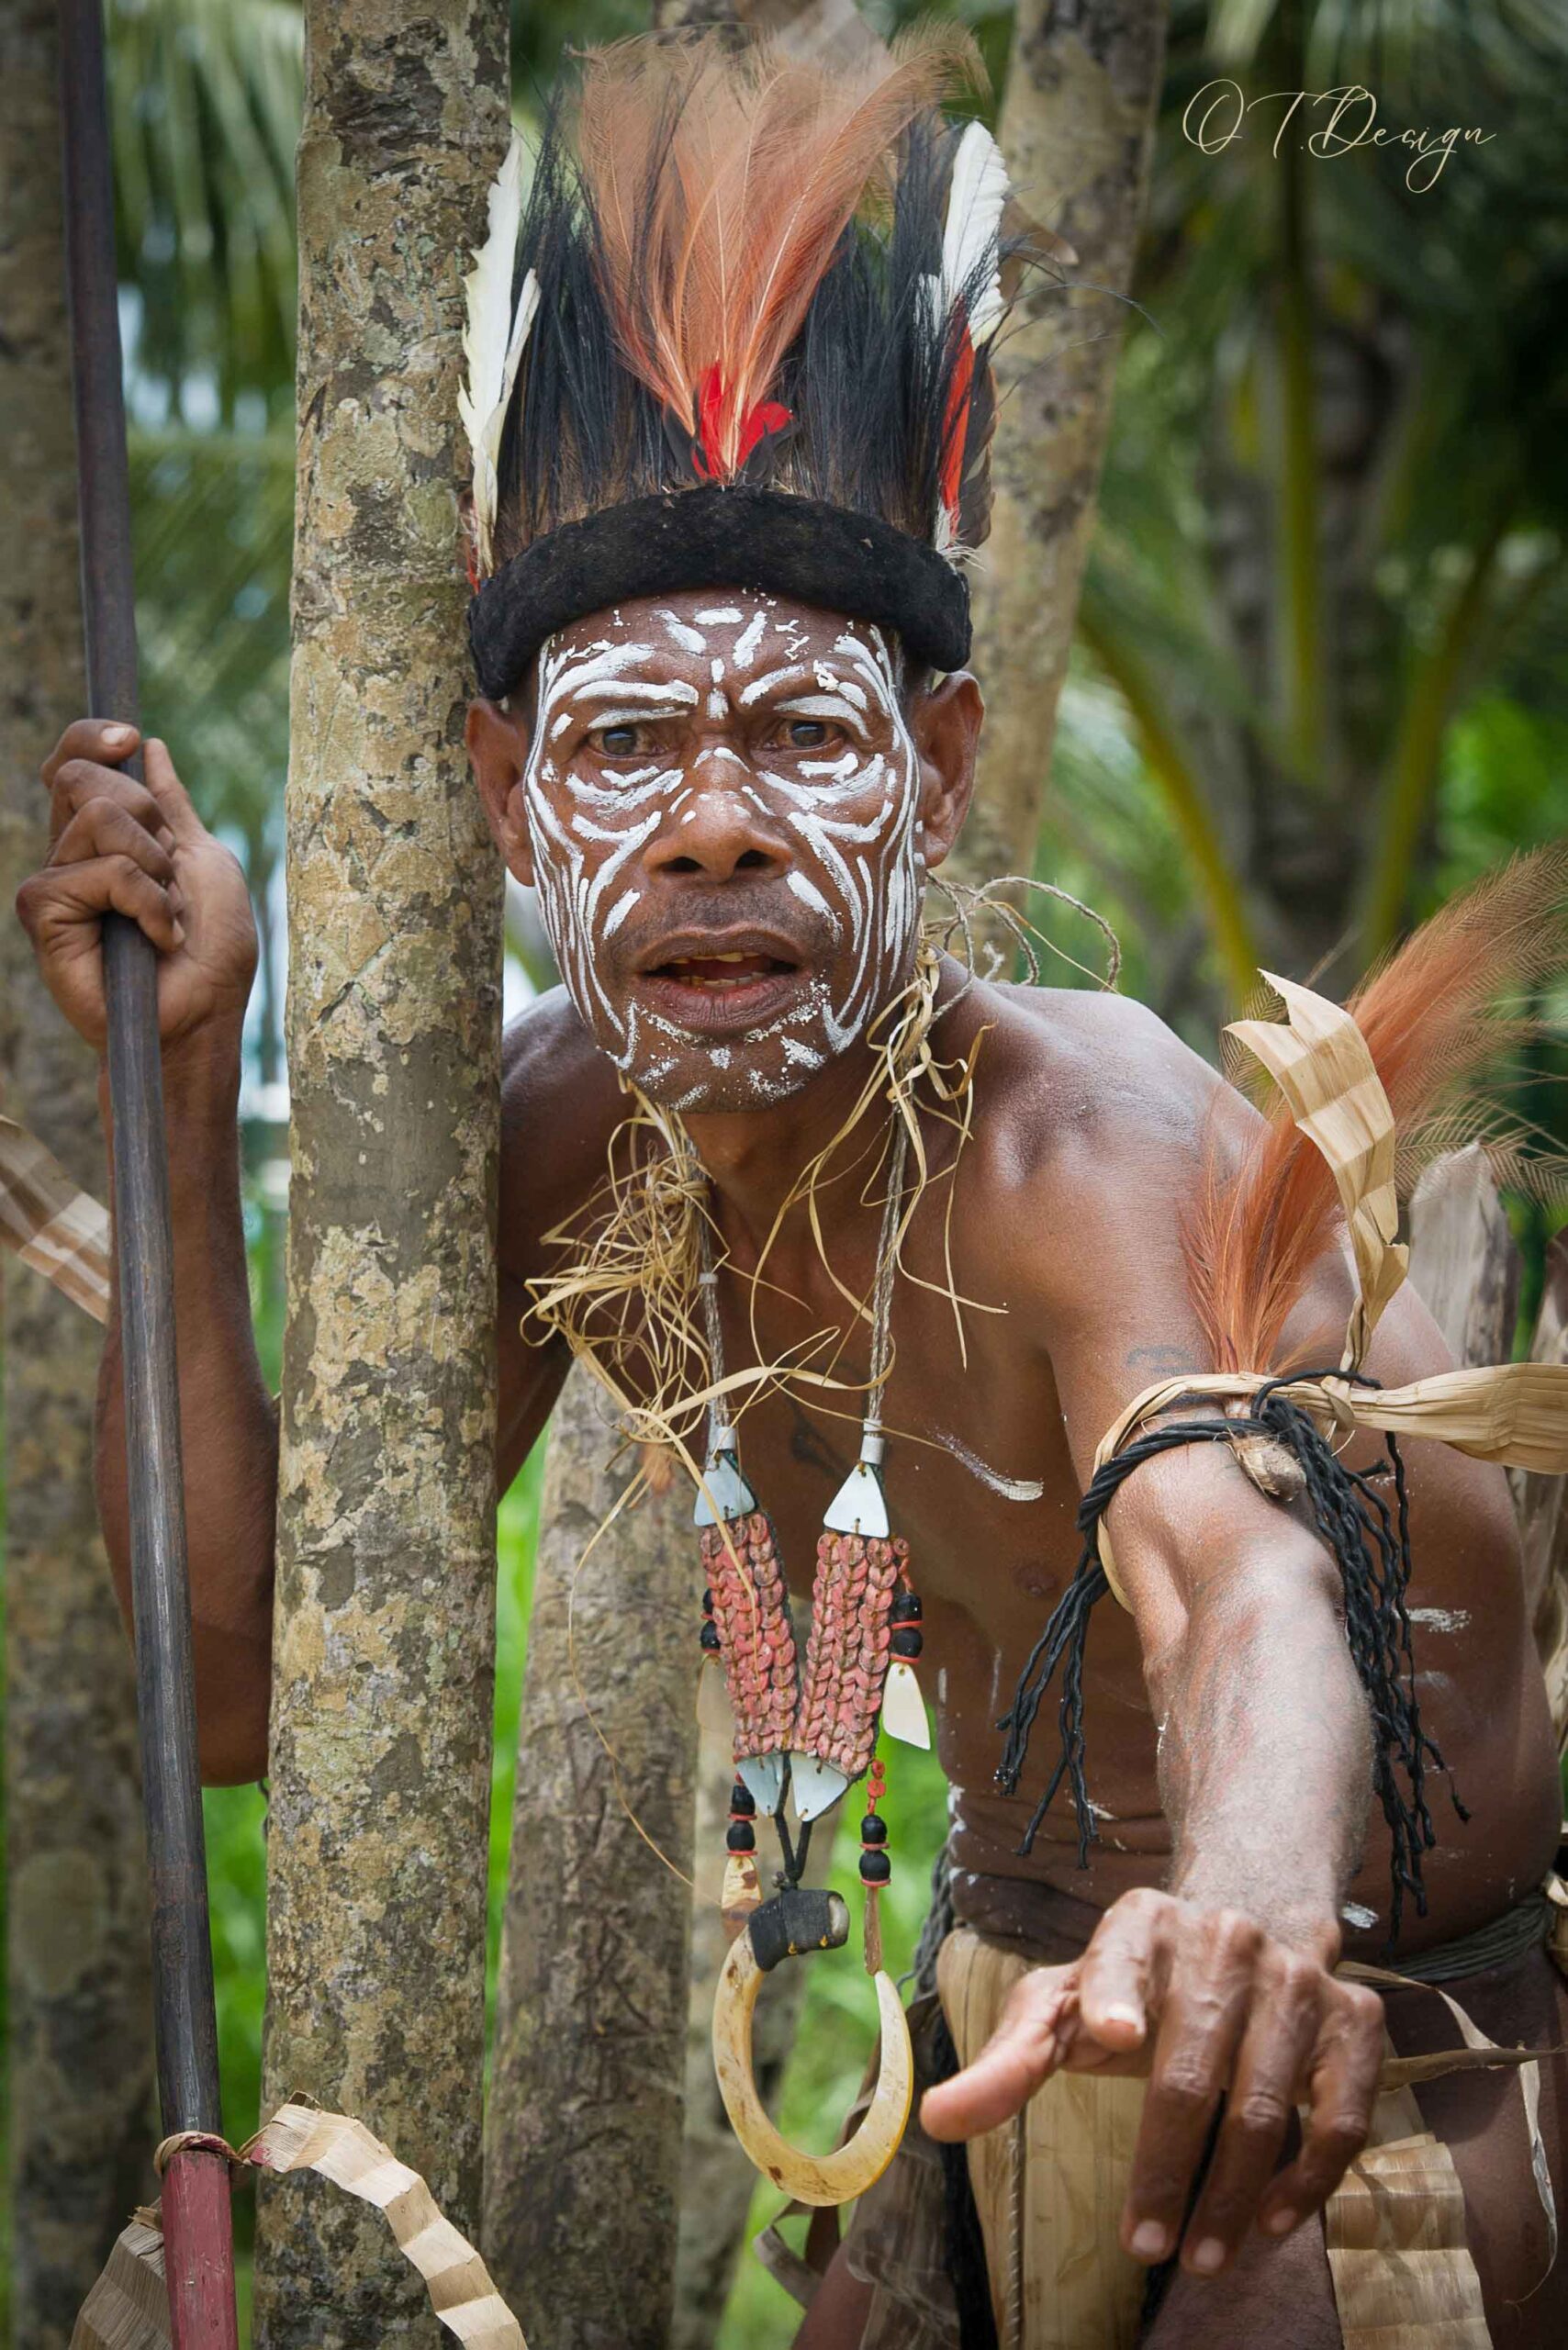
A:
x: 881, y: 1359
x: 1370, y: 1546
x: 881, y: 1304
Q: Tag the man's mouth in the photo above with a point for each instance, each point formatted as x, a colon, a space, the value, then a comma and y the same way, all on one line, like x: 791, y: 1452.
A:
x: 712, y: 986
x: 721, y: 971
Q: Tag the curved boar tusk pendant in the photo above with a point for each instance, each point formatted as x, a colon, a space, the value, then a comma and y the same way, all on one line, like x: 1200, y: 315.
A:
x: 795, y: 1922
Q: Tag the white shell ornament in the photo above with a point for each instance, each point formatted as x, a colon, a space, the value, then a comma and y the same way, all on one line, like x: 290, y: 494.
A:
x: 903, y: 1708
x: 851, y: 2168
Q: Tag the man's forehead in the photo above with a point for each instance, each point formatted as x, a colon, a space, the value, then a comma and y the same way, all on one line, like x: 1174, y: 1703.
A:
x: 747, y: 633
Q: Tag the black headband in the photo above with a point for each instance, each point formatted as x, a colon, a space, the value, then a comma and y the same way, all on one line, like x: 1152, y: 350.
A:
x: 719, y: 537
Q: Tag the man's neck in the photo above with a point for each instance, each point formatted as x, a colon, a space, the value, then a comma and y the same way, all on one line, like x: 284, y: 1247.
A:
x: 754, y: 1158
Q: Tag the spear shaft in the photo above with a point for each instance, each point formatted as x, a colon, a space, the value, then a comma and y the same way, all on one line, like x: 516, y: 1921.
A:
x: 198, y: 2242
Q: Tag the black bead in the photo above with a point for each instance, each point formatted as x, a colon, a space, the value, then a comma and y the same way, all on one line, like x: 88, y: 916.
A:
x: 741, y: 1799
x: 875, y: 1868
x: 905, y: 1608
x: 707, y: 1602
x: 873, y: 1831
x: 709, y: 1638
x: 741, y: 1836
x: 907, y: 1642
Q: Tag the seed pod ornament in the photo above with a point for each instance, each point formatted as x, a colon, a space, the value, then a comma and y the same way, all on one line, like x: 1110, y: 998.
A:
x: 862, y: 1641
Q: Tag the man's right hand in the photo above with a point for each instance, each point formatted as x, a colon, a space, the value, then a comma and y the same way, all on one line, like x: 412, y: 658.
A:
x: 119, y: 847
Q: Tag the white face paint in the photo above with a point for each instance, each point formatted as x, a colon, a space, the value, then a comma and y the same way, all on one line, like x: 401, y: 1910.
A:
x: 715, y: 696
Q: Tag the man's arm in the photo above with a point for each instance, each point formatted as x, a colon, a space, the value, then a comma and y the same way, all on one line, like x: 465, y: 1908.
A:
x: 228, y: 1421
x: 1221, y: 1984
x: 140, y: 850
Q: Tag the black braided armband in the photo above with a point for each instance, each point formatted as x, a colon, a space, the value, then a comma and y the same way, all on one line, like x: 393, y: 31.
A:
x: 1370, y: 1543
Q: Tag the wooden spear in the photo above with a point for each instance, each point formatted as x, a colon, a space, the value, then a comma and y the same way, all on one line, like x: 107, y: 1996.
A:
x: 197, y: 2227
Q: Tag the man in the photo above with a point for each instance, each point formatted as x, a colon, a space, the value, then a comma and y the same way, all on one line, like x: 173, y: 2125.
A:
x: 729, y: 792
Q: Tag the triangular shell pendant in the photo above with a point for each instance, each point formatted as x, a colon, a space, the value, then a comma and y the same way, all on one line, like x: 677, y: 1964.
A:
x: 764, y: 1774
x: 860, y: 1507
x: 724, y: 1492
x: 903, y: 1708
x: 814, y: 1787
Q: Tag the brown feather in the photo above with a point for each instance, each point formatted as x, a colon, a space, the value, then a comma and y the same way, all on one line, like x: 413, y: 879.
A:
x: 1434, y: 1018
x: 723, y: 183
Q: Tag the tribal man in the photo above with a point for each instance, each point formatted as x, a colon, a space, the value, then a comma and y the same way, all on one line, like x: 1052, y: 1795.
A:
x: 730, y: 402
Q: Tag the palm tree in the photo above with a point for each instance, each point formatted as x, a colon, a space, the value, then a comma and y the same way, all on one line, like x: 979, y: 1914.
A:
x: 1336, y: 506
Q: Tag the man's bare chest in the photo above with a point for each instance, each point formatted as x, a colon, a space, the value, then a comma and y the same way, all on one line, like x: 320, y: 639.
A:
x: 978, y: 1476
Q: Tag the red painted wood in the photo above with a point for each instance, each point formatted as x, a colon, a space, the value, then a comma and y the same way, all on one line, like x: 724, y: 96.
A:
x: 198, y: 2253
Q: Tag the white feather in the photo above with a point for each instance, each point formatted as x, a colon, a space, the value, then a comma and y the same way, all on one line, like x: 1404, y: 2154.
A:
x: 977, y: 195
x: 494, y: 341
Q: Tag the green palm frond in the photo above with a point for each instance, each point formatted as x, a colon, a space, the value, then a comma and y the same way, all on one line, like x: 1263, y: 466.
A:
x: 205, y: 104
x: 213, y: 520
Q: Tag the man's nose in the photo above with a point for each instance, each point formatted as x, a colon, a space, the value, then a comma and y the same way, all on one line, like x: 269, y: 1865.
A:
x: 717, y: 828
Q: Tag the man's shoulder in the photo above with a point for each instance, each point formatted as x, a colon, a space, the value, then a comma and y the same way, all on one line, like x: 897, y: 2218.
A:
x: 548, y: 1050
x: 1092, y: 1125
x: 1080, y: 1070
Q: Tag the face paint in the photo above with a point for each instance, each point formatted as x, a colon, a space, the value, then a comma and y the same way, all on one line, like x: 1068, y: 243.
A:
x: 827, y: 864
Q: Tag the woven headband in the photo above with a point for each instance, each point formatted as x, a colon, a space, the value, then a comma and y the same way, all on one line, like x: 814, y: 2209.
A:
x: 764, y: 540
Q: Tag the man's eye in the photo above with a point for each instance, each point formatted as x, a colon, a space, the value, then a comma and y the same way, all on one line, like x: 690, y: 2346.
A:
x: 806, y: 733
x: 616, y: 742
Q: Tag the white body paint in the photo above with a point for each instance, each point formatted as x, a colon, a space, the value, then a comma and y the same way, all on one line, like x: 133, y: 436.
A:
x: 852, y: 814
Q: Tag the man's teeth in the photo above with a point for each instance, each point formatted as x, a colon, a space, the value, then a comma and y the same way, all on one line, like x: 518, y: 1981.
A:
x: 720, y: 971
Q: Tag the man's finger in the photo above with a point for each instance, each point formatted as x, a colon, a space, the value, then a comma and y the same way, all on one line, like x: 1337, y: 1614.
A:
x: 103, y: 828
x: 1020, y: 2054
x: 90, y: 738
x: 65, y: 898
x: 1205, y: 2011
x: 1343, y: 2088
x: 1274, y: 2058
x: 1114, y: 1973
x: 77, y: 782
x: 171, y: 795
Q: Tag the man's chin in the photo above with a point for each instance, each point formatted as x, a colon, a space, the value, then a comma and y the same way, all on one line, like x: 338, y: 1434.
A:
x: 720, y: 1080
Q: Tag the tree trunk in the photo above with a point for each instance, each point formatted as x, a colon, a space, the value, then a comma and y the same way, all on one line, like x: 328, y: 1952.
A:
x: 583, y: 2131
x: 1076, y: 128
x: 80, y: 2058
x: 384, y: 1634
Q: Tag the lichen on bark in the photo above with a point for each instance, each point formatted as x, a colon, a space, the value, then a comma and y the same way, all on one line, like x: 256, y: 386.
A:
x: 583, y: 2131
x: 80, y: 2074
x: 384, y: 1628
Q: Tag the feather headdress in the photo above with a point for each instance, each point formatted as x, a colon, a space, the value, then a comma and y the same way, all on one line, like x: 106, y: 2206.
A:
x: 1436, y: 1017
x: 742, y: 337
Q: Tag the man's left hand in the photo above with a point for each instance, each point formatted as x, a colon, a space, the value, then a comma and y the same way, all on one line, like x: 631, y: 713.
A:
x: 1208, y: 2005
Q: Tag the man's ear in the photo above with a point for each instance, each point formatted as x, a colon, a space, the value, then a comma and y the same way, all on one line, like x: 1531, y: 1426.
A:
x: 498, y: 753
x: 945, y: 723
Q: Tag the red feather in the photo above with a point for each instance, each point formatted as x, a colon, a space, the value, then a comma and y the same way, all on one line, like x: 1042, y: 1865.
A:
x: 955, y: 430
x: 722, y: 181
x: 1433, y: 1018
